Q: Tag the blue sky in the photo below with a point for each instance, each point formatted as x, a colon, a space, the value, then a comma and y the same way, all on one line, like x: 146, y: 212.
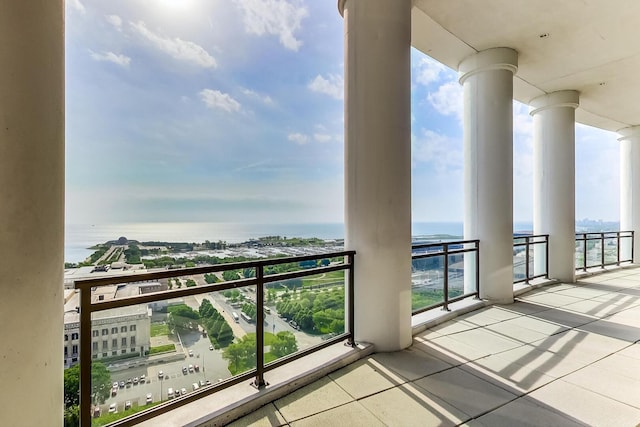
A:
x: 232, y: 111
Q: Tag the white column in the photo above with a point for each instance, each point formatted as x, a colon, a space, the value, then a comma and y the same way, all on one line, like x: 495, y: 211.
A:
x: 378, y: 167
x: 487, y: 79
x: 630, y: 188
x: 554, y: 201
x: 31, y: 211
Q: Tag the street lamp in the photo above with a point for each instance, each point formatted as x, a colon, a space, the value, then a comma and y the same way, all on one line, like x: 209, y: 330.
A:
x: 161, y: 379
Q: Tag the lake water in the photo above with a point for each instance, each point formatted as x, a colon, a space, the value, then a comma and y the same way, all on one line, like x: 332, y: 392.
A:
x: 78, y: 238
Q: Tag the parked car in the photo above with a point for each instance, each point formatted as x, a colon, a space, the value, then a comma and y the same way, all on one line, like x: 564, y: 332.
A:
x: 184, y: 370
x: 135, y: 381
x: 196, y: 368
x: 190, y: 353
x: 190, y: 368
x: 149, y: 398
x: 195, y: 386
x: 170, y: 393
x: 121, y: 384
x: 96, y: 411
x: 183, y: 391
x: 143, y: 378
x: 211, y: 347
x: 177, y: 392
x: 127, y: 405
x: 113, y: 409
x: 115, y: 384
x: 202, y: 383
x: 160, y: 374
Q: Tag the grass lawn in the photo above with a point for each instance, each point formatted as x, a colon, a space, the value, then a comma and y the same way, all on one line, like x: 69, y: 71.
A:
x: 159, y: 329
x: 107, y: 418
x: 162, y: 349
x: 323, y: 279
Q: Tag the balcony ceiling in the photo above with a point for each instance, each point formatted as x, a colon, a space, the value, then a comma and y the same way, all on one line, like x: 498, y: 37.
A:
x: 591, y: 46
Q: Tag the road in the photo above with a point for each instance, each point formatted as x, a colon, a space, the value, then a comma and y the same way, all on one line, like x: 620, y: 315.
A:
x: 212, y: 366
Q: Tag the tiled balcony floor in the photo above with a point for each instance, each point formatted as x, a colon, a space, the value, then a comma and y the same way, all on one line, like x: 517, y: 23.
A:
x: 562, y: 355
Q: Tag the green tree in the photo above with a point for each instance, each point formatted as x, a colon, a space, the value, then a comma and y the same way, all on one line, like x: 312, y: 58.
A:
x: 241, y: 355
x: 285, y: 343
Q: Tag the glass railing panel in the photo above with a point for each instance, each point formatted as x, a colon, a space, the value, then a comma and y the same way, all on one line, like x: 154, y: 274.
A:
x: 427, y: 282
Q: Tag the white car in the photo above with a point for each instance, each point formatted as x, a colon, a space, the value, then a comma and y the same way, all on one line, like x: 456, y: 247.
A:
x: 127, y: 405
x: 149, y: 398
x: 183, y: 391
x: 113, y: 409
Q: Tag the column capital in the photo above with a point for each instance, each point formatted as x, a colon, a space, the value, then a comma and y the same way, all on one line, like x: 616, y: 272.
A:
x: 499, y: 58
x: 341, y: 4
x: 561, y: 98
x: 629, y: 134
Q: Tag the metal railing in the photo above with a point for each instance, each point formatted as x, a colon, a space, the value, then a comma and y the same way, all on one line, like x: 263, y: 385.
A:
x: 88, y: 307
x: 535, y: 243
x: 603, y: 249
x: 429, y: 253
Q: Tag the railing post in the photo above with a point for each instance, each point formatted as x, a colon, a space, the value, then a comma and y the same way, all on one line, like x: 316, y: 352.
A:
x: 618, y: 249
x: 445, y: 250
x: 477, y: 244
x: 85, y: 358
x: 351, y: 316
x: 546, y: 256
x: 632, y: 243
x: 526, y: 259
x: 584, y: 254
x: 602, y: 250
x: 259, y: 381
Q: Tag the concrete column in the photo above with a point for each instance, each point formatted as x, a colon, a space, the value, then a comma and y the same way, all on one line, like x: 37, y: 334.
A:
x: 378, y: 166
x: 630, y: 189
x: 31, y: 211
x: 487, y: 80
x: 554, y: 176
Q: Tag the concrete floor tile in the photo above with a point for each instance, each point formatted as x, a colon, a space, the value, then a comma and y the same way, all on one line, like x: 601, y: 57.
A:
x: 419, y: 408
x: 607, y: 383
x: 267, y: 416
x: 451, y: 351
x: 550, y: 299
x: 631, y: 351
x: 585, y: 406
x: 563, y: 318
x: 524, y: 308
x: 621, y: 365
x: 583, y: 292
x: 411, y: 363
x: 366, y: 377
x: 453, y: 326
x: 464, y: 391
x: 525, y: 412
x: 486, y: 340
x: 351, y: 415
x: 316, y: 397
x: 554, y: 365
x: 504, y: 373
x: 516, y: 333
x: 581, y: 345
x: 612, y: 329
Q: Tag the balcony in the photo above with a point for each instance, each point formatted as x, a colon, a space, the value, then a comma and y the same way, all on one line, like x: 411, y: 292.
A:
x: 563, y: 354
x: 508, y: 354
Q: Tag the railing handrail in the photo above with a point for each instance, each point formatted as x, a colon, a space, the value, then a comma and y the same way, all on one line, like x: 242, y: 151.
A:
x: 87, y: 307
x: 191, y: 271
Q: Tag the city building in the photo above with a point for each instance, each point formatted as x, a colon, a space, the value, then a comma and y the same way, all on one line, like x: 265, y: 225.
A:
x: 116, y: 333
x: 571, y: 61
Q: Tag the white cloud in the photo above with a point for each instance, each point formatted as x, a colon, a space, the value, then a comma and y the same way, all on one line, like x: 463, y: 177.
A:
x: 217, y: 99
x: 77, y: 5
x: 121, y: 60
x: 428, y: 71
x: 298, y: 138
x: 114, y: 20
x: 282, y: 18
x: 253, y: 94
x: 177, y: 48
x: 440, y: 151
x: 522, y: 120
x: 333, y: 85
x: 322, y: 137
x: 447, y: 100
